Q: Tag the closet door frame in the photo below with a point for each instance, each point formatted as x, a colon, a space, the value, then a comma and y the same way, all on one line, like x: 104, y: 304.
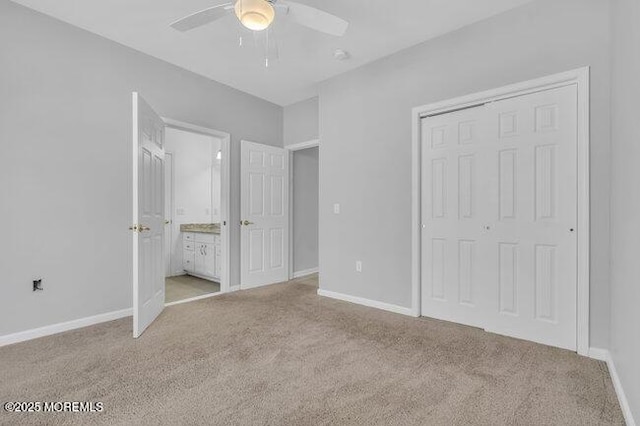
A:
x: 578, y: 77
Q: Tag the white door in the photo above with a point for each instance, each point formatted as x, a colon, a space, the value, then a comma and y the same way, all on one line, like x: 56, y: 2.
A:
x: 499, y: 195
x: 533, y: 217
x: 454, y: 211
x: 264, y: 214
x: 148, y: 215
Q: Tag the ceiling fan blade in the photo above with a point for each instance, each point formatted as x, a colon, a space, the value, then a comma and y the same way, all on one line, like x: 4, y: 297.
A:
x: 201, y: 18
x: 315, y: 19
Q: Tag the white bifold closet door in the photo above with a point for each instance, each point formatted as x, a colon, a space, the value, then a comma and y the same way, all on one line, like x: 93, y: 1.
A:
x: 499, y: 213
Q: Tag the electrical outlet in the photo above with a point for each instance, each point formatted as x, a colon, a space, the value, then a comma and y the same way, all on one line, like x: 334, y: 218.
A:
x: 358, y: 266
x: 336, y: 208
x: 37, y: 284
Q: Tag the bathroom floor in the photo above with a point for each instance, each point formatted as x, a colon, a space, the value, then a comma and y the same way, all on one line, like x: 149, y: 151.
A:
x: 185, y: 287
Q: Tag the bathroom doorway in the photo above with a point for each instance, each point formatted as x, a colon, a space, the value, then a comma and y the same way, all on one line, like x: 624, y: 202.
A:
x: 196, y: 212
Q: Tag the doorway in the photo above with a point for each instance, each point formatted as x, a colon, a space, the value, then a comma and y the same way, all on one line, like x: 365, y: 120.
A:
x: 304, y: 160
x: 195, y: 205
x: 501, y: 210
x: 154, y: 230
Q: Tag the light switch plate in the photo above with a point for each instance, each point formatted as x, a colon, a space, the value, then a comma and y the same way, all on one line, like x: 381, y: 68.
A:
x: 336, y: 208
x: 358, y: 266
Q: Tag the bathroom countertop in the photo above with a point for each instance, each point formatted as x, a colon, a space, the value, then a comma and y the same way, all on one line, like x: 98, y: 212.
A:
x: 203, y: 228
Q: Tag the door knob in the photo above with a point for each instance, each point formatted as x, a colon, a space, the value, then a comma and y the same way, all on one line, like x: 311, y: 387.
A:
x: 246, y: 223
x: 142, y: 228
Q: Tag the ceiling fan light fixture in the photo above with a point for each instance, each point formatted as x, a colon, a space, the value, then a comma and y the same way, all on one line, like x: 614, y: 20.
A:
x: 256, y: 15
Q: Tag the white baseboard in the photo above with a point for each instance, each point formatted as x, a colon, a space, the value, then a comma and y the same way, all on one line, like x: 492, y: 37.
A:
x: 48, y: 330
x: 599, y: 354
x: 234, y: 288
x: 605, y: 355
x: 366, y: 302
x: 304, y: 273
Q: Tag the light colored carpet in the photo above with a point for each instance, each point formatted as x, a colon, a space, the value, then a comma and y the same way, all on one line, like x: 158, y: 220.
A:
x: 186, y: 287
x: 281, y: 355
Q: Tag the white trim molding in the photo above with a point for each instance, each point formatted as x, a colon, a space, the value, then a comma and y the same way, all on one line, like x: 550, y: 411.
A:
x: 303, y: 145
x: 181, y: 125
x: 366, y: 302
x: 305, y: 273
x: 598, y: 353
x: 578, y: 77
x: 49, y: 330
x: 605, y: 355
x: 193, y: 299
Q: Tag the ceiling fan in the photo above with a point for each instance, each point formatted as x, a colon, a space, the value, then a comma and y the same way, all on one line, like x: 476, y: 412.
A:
x: 258, y: 15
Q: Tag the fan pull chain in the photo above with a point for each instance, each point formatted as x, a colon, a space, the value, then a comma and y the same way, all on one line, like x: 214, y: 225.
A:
x: 266, y: 50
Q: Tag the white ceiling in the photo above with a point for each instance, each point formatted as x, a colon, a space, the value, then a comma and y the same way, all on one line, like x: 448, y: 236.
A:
x: 378, y: 28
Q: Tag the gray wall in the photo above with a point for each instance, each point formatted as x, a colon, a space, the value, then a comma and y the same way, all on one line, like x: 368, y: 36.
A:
x: 301, y: 121
x: 305, y: 209
x: 625, y: 198
x: 65, y: 162
x: 365, y: 127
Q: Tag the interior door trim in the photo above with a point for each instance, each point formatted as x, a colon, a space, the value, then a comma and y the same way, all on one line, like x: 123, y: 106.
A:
x: 578, y: 77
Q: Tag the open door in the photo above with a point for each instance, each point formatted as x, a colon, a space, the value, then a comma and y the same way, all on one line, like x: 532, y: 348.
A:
x: 264, y: 215
x: 148, y: 215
